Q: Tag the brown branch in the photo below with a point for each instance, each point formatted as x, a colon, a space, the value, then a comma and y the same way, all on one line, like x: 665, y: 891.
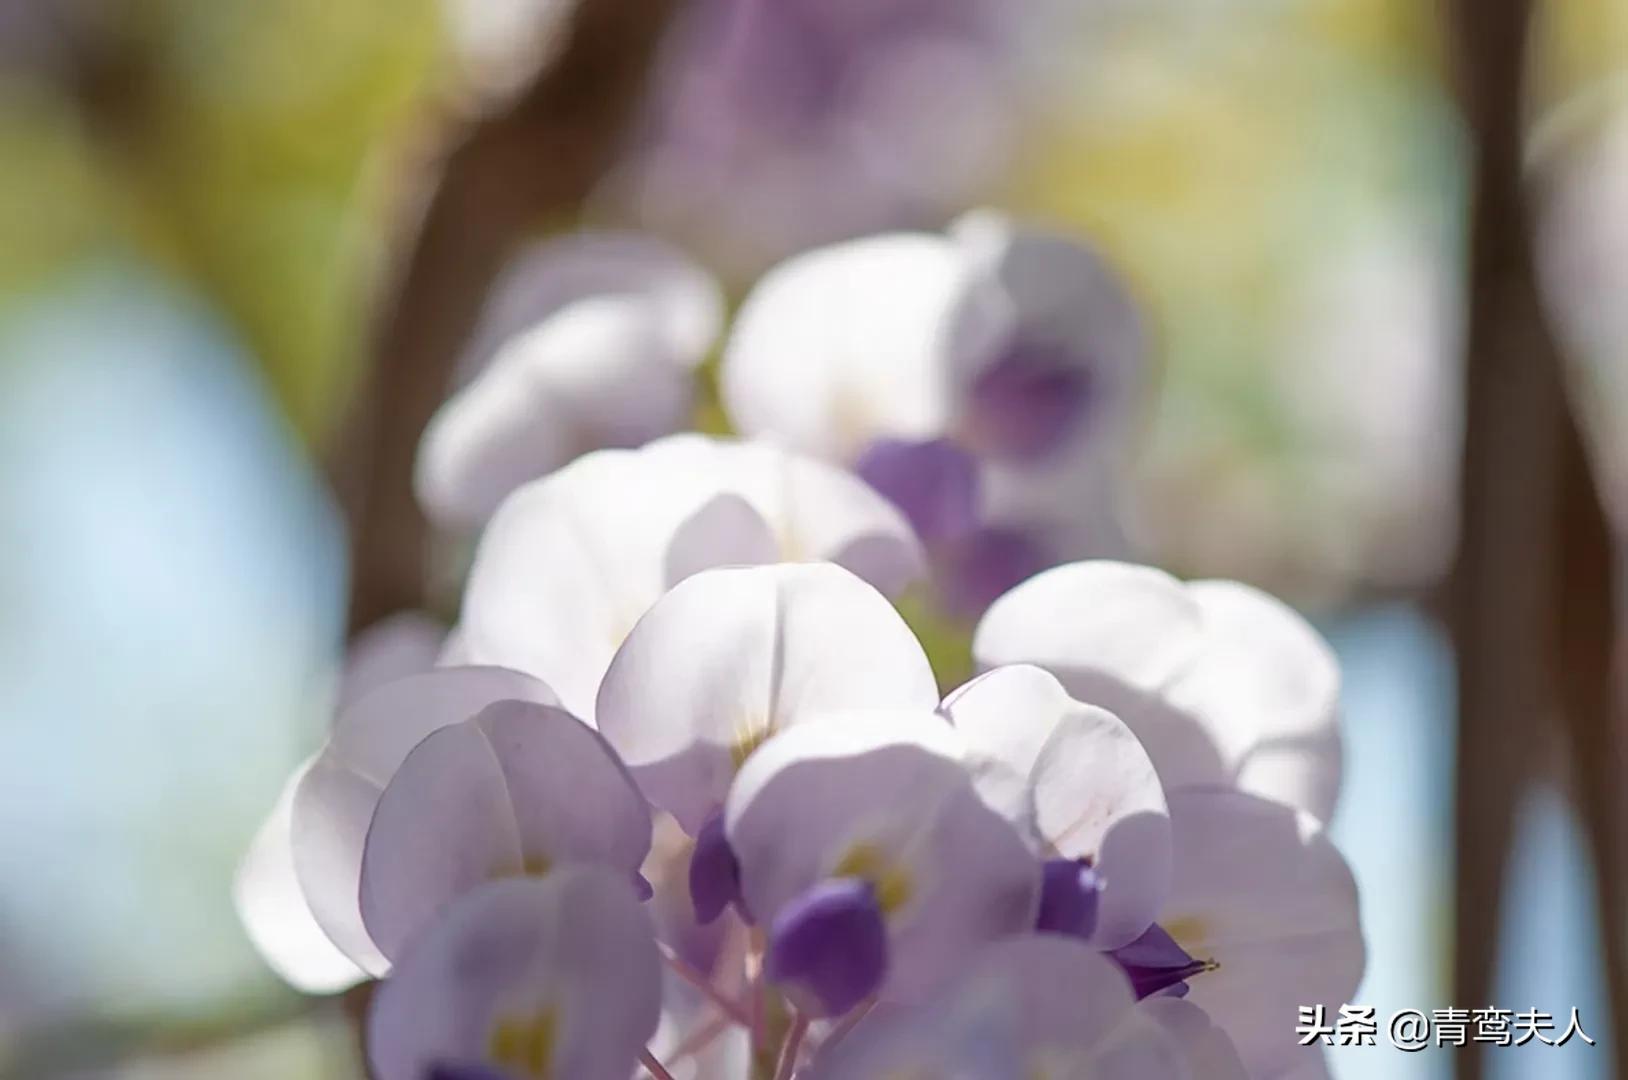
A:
x: 1531, y: 602
x: 536, y: 161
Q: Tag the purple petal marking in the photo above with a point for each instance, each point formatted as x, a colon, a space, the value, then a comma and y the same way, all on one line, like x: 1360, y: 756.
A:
x: 1029, y: 403
x: 934, y: 484
x: 830, y: 941
x: 1068, y: 898
x: 715, y: 874
x: 1156, y: 964
x: 976, y: 570
x: 464, y: 1070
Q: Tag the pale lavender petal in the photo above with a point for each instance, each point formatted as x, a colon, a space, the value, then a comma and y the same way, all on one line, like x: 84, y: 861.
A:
x: 1037, y: 1005
x: 275, y: 913
x: 1210, y: 1055
x: 888, y: 799
x: 519, y: 789
x: 1259, y: 889
x: 334, y: 803
x: 561, y: 972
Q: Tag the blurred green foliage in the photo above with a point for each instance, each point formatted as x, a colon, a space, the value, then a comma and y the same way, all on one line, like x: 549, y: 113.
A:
x: 252, y: 146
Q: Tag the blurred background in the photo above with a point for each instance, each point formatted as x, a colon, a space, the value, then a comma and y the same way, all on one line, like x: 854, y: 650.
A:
x: 202, y: 200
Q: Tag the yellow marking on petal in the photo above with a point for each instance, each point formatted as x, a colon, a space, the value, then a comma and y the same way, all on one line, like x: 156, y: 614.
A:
x: 524, y: 1044
x: 748, y: 737
x: 530, y: 865
x: 890, y: 879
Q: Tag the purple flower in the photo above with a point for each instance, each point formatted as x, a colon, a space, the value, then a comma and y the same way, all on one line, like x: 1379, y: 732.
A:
x: 868, y: 817
x: 985, y: 381
x: 777, y: 126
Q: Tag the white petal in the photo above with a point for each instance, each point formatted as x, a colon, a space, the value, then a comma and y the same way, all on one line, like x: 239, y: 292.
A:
x: 574, y: 947
x: 816, y: 511
x: 1267, y: 688
x: 731, y: 656
x: 894, y: 786
x: 520, y: 788
x: 1209, y: 1054
x: 334, y: 803
x: 838, y: 346
x: 1092, y: 791
x: 1097, y: 626
x: 274, y: 912
x: 1259, y: 888
x: 594, y: 374
x: 589, y: 341
x: 683, y: 299
x: 1221, y: 683
x: 726, y: 531
x: 1097, y: 795
x: 569, y: 564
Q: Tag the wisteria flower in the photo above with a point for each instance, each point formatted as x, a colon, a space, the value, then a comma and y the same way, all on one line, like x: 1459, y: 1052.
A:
x: 334, y: 803
x: 266, y: 889
x: 589, y: 341
x: 548, y: 977
x: 873, y: 863
x: 518, y: 789
x: 274, y: 912
x: 570, y: 563
x: 732, y: 656
x: 1080, y: 781
x: 1028, y: 1007
x: 984, y: 380
x: 1206, y: 1051
x: 1221, y: 683
x: 1262, y: 915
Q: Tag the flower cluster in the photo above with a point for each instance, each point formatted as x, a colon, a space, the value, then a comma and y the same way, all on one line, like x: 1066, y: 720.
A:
x: 985, y: 380
x: 681, y: 791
